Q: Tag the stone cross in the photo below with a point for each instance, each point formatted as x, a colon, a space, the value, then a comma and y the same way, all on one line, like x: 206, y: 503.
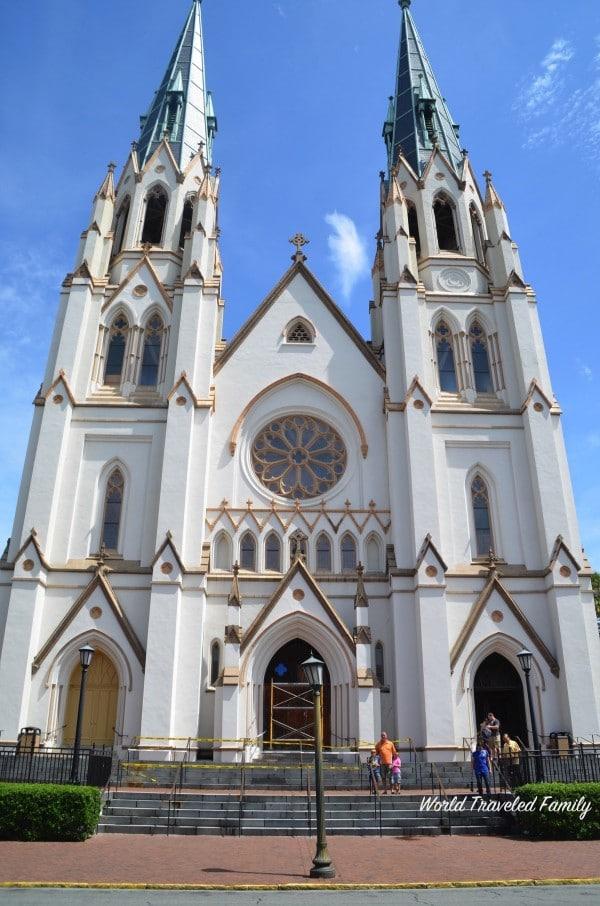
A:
x: 299, y: 240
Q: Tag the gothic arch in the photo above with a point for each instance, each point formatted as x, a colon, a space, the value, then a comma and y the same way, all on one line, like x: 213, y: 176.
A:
x: 290, y: 379
x: 442, y: 314
x: 222, y: 559
x: 508, y: 647
x: 483, y: 320
x: 157, y: 189
x: 101, y: 487
x: 446, y: 223
x: 67, y: 657
x: 488, y: 478
x: 297, y: 324
x: 373, y: 538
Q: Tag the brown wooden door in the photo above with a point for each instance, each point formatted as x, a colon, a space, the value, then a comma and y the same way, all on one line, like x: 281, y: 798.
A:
x: 288, y: 700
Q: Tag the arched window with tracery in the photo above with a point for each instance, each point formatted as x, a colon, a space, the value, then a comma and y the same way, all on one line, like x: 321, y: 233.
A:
x: 223, y: 559
x: 248, y: 552
x: 273, y: 553
x: 186, y: 221
x: 348, y: 549
x: 154, y: 219
x: 153, y: 338
x: 115, y: 354
x: 324, y: 564
x: 113, y: 506
x: 413, y: 226
x: 478, y: 236
x: 445, y: 358
x: 373, y: 554
x: 480, y: 359
x: 215, y: 662
x: 121, y: 225
x: 379, y: 664
x: 480, y: 499
x: 299, y: 331
x: 443, y: 212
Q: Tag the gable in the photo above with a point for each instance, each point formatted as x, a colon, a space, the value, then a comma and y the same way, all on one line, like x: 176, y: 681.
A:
x: 292, y: 299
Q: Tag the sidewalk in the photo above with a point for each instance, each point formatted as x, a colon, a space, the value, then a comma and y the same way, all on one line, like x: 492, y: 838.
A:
x: 227, y: 861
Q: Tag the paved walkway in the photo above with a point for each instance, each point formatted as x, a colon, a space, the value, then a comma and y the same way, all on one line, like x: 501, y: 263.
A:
x: 229, y: 861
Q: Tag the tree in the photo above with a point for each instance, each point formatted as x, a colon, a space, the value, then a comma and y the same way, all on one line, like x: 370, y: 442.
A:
x: 596, y: 590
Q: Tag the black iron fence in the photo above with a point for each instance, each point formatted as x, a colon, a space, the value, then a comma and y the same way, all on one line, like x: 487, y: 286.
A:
x: 54, y: 765
x: 575, y: 766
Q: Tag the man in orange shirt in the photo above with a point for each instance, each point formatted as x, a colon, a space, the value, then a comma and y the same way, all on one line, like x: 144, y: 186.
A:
x: 386, y: 751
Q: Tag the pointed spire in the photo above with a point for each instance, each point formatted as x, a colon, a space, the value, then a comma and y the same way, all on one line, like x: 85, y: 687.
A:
x: 418, y: 118
x: 107, y: 189
x: 492, y: 199
x: 361, y: 598
x: 235, y: 595
x: 182, y: 108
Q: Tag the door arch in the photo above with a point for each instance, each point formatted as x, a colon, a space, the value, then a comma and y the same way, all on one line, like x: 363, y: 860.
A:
x: 288, y: 710
x: 498, y: 688
x: 100, y: 708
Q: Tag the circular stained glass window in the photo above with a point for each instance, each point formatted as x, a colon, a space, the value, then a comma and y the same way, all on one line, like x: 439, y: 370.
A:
x: 299, y: 456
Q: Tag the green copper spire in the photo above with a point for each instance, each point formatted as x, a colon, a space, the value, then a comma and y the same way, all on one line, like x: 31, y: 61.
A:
x: 418, y: 117
x: 182, y: 108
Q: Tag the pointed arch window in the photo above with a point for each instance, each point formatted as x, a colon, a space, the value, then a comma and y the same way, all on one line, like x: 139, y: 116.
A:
x: 113, y: 505
x: 186, y: 221
x: 445, y: 358
x: 154, y: 220
x: 248, y: 552
x: 348, y: 548
x: 373, y: 554
x: 413, y: 226
x: 299, y: 331
x: 379, y: 664
x: 151, y: 355
x: 324, y: 564
x: 215, y: 662
x: 480, y: 359
x: 222, y: 553
x: 298, y: 546
x: 273, y: 553
x: 121, y: 225
x: 480, y: 500
x: 478, y: 237
x: 115, y: 354
x: 443, y: 212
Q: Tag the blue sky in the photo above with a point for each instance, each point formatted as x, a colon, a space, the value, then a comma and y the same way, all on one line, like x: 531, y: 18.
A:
x: 300, y: 89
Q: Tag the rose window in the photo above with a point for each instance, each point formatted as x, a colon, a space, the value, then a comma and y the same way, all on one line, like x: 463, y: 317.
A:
x: 299, y: 456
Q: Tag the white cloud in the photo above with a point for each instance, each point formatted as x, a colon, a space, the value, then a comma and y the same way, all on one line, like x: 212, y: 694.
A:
x: 348, y: 251
x: 584, y: 370
x: 540, y: 92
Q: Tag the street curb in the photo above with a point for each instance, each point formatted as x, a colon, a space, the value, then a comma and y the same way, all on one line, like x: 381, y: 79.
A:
x: 416, y: 885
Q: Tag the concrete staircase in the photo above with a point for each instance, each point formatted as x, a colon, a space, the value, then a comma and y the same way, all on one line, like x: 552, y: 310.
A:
x: 288, y: 771
x: 146, y: 812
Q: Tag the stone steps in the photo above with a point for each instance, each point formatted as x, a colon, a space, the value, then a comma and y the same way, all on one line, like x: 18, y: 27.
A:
x: 142, y: 812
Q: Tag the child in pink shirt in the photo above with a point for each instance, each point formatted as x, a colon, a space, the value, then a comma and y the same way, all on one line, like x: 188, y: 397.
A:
x: 396, y: 773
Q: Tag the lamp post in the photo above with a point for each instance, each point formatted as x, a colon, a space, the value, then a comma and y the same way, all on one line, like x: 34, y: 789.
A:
x: 322, y: 864
x: 525, y: 658
x: 85, y: 659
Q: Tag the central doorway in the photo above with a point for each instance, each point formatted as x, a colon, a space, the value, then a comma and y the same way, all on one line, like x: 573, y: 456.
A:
x: 498, y: 688
x: 100, y: 706
x: 288, y: 716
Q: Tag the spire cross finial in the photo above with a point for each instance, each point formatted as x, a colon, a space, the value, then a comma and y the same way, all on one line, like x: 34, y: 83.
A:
x: 404, y: 3
x: 299, y: 240
x: 112, y: 167
x: 488, y: 177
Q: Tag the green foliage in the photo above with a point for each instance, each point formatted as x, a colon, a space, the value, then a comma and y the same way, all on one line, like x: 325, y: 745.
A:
x: 46, y: 811
x: 596, y: 590
x: 550, y: 824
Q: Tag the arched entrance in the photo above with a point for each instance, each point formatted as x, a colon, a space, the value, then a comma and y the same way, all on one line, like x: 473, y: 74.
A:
x: 100, y: 708
x: 288, y: 699
x: 498, y: 688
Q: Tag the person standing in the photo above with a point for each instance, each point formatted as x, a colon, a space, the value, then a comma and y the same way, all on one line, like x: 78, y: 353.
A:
x: 510, y: 757
x: 493, y: 725
x: 374, y: 764
x: 482, y: 767
x: 386, y: 750
x: 396, y: 774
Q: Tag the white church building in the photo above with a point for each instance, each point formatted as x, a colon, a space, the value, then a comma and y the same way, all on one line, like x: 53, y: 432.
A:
x: 206, y: 513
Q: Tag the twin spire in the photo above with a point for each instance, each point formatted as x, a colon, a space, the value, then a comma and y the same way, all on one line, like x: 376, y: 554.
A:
x: 418, y: 117
x: 182, y: 109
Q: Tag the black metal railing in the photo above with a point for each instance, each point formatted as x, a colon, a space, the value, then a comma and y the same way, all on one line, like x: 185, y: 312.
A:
x: 54, y: 765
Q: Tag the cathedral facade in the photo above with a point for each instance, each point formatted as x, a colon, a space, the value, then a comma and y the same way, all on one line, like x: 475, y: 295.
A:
x: 205, y: 514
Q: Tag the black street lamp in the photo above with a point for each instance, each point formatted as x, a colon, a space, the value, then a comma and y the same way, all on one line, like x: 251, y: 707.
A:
x: 322, y: 864
x: 525, y: 659
x: 85, y: 659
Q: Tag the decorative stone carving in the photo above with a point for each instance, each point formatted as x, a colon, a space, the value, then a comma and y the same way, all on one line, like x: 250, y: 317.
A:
x: 362, y: 635
x: 454, y: 280
x: 233, y: 635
